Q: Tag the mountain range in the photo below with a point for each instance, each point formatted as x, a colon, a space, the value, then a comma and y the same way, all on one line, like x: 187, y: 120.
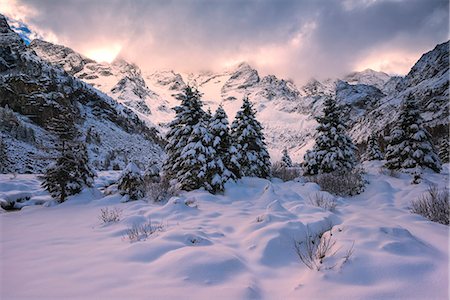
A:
x: 139, y: 104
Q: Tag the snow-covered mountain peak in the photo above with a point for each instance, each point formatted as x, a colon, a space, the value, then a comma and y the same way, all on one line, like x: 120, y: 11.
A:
x: 368, y: 77
x: 64, y: 57
x: 168, y: 79
x: 432, y: 64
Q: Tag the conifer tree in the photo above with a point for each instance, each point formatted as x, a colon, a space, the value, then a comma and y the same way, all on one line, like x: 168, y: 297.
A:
x: 69, y: 174
x: 286, y: 159
x: 197, y: 163
x: 71, y: 170
x: 131, y: 182
x: 246, y: 133
x: 64, y: 128
x: 4, y: 160
x: 409, y: 144
x: 151, y: 174
x: 221, y: 143
x: 373, y: 151
x: 333, y: 150
x: 444, y: 151
x: 188, y: 114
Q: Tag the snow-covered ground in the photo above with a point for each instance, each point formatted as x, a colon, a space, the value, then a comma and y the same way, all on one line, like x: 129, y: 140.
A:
x: 234, y: 246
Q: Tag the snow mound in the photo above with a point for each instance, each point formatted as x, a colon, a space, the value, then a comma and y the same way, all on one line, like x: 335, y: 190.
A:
x: 239, y: 245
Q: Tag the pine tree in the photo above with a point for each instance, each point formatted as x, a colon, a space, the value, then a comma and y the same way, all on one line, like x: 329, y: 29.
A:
x: 197, y: 162
x: 4, y: 160
x: 373, y: 151
x: 131, y: 182
x: 444, y: 152
x: 69, y: 174
x: 226, y: 152
x: 286, y: 159
x: 188, y: 114
x: 64, y: 128
x: 410, y: 145
x: 71, y: 171
x: 84, y: 170
x: 151, y: 174
x: 333, y: 150
x: 246, y: 133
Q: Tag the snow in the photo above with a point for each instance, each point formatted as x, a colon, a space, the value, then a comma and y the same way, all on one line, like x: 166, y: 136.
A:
x: 239, y: 245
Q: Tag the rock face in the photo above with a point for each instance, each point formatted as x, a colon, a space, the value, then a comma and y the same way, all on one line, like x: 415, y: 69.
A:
x: 35, y: 91
x: 428, y: 81
x: 370, y: 99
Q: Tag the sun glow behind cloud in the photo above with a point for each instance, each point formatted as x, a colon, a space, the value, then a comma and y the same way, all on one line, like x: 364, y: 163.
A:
x: 104, y: 54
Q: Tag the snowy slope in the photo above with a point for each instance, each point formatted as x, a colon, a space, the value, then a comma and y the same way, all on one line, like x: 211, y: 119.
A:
x: 36, y: 91
x: 428, y: 81
x: 236, y: 246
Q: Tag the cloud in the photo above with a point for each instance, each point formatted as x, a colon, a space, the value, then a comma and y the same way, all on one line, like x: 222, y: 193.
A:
x: 290, y: 38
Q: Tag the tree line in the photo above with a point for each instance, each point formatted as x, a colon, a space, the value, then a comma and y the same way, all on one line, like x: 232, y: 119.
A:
x: 204, y: 151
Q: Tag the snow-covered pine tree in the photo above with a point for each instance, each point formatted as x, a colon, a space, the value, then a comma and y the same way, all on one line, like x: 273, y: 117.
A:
x: 444, y: 151
x: 286, y: 159
x: 188, y: 114
x: 84, y: 170
x: 64, y: 128
x: 71, y: 171
x: 197, y: 161
x: 4, y: 161
x: 69, y: 174
x: 131, y: 182
x: 151, y: 174
x: 373, y: 151
x: 333, y: 150
x: 409, y: 144
x: 247, y: 135
x: 225, y: 151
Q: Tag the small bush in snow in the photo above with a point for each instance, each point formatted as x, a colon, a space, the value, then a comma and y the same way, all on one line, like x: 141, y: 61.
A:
x: 160, y: 191
x: 110, y: 215
x: 348, y: 183
x: 139, y: 232
x: 131, y: 182
x: 280, y: 170
x: 433, y: 205
x: 317, y: 247
x: 322, y: 200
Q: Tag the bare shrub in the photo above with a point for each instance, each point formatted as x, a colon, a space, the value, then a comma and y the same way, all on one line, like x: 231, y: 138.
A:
x: 349, y: 253
x: 433, y: 205
x: 161, y: 190
x: 348, y: 183
x: 322, y: 200
x: 316, y: 247
x: 139, y: 232
x: 279, y: 170
x: 110, y: 215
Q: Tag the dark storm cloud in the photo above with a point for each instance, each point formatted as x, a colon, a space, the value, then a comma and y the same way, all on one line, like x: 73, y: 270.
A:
x: 295, y: 38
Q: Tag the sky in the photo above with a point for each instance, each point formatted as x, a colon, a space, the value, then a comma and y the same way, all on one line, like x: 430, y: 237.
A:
x: 293, y: 39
